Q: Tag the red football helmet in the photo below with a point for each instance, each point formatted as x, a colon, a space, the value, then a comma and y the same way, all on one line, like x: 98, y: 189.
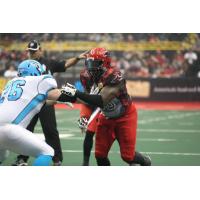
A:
x: 100, y: 54
x: 97, y: 61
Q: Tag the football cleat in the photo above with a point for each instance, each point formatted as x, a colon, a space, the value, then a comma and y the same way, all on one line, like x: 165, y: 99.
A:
x: 141, y: 160
x: 147, y: 161
x: 59, y: 163
x: 20, y: 162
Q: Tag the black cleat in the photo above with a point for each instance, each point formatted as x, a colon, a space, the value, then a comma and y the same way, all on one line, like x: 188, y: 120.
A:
x: 140, y: 160
x: 57, y: 163
x: 147, y: 161
x: 20, y: 162
x: 85, y: 163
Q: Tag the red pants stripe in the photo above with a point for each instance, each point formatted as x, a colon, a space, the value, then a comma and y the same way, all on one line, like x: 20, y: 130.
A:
x: 92, y: 122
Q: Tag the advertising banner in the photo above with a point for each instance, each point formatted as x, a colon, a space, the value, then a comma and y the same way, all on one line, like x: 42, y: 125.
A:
x: 164, y: 89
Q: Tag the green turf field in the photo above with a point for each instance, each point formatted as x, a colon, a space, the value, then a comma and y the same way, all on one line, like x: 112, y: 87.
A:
x: 169, y: 137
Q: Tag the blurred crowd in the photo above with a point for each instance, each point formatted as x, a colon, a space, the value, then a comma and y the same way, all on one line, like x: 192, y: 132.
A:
x: 107, y: 37
x: 158, y: 64
x: 152, y: 64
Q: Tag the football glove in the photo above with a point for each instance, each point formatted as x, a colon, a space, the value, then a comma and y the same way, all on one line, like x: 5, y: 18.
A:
x: 69, y: 90
x: 82, y: 123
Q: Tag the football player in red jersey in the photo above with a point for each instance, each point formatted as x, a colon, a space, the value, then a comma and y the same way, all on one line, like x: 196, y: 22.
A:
x: 118, y: 117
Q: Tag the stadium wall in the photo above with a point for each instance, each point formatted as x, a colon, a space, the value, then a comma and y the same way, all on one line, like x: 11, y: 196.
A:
x: 164, y: 89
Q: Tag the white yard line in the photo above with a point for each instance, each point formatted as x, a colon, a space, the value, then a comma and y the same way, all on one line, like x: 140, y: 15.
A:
x: 170, y: 130
x: 69, y: 134
x: 172, y: 153
x: 149, y: 153
x: 66, y: 131
x: 172, y: 115
x: 169, y: 117
x: 71, y: 137
x: 61, y: 130
x: 62, y: 136
x: 139, y: 139
x: 186, y: 123
x: 156, y: 140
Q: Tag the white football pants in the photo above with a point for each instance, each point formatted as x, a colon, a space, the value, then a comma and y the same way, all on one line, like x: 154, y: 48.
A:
x: 21, y: 141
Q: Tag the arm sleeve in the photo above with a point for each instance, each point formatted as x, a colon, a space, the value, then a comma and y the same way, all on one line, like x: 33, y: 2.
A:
x: 46, y: 84
x: 56, y: 66
x: 93, y: 99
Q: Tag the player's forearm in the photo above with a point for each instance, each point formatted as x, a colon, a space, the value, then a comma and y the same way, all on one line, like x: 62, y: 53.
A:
x: 56, y: 95
x: 71, y: 61
x: 95, y: 100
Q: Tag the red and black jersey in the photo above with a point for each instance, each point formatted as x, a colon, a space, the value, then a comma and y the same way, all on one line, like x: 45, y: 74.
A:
x: 117, y: 106
x: 86, y: 80
x: 113, y: 77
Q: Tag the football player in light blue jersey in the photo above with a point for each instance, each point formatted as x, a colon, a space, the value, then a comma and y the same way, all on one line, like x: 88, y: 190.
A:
x: 21, y: 99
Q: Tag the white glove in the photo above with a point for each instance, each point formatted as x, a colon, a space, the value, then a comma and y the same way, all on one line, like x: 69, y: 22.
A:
x: 69, y: 90
x: 82, y: 123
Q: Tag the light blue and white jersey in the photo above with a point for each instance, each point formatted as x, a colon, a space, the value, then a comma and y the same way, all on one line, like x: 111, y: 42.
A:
x: 23, y: 97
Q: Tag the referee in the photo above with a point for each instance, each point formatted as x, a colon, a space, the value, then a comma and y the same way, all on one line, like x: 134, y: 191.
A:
x: 47, y: 114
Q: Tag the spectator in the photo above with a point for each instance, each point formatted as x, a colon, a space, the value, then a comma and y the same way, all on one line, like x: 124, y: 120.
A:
x: 191, y: 60
x: 190, y: 57
x: 160, y: 58
x: 11, y: 72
